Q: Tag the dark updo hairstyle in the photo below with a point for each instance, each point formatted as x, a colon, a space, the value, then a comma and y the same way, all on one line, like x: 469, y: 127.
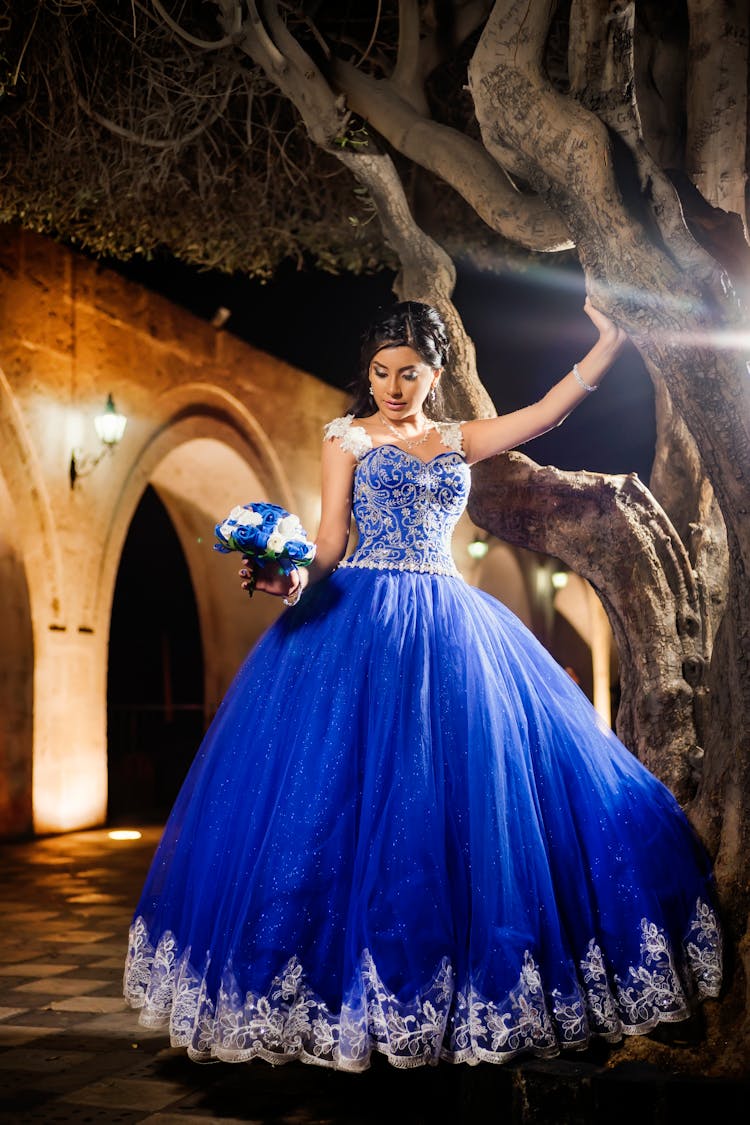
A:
x: 409, y: 324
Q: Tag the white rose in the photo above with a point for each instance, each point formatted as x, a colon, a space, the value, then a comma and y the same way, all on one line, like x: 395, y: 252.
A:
x: 276, y: 543
x: 290, y: 528
x: 246, y: 518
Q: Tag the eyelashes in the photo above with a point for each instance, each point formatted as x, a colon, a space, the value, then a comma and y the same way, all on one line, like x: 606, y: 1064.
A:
x: 409, y: 376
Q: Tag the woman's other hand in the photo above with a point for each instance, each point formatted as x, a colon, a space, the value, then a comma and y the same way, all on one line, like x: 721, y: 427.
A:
x: 269, y: 580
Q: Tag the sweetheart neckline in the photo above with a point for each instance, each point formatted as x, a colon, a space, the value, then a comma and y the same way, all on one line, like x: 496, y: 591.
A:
x: 406, y: 453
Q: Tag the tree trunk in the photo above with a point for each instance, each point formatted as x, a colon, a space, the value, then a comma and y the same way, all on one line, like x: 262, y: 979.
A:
x: 565, y: 153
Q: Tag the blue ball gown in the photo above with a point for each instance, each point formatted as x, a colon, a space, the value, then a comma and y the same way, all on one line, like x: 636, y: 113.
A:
x: 408, y: 831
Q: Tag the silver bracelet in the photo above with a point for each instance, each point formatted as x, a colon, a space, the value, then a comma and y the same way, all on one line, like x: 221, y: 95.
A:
x: 586, y: 386
x: 292, y: 599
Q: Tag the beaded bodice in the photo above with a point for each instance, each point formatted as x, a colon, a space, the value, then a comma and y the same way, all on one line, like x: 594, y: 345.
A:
x: 405, y: 508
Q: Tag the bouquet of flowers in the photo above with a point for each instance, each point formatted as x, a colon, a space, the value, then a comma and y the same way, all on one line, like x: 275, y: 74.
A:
x: 265, y: 533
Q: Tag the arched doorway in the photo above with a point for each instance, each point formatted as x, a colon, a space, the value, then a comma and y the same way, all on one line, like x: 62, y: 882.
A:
x: 170, y: 540
x: 155, y: 705
x: 16, y: 680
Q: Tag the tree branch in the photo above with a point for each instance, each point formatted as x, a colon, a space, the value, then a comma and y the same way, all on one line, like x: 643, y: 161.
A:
x: 407, y: 76
x: 717, y: 102
x: 467, y: 17
x: 194, y: 41
x: 131, y: 135
x: 602, y: 78
x: 456, y: 158
x: 564, y: 151
x: 427, y: 273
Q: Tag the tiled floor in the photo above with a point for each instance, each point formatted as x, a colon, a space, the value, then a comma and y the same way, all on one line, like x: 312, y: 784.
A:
x: 72, y: 1052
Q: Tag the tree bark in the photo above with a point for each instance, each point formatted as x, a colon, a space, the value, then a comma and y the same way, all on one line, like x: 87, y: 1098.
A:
x: 456, y: 158
x: 717, y: 122
x: 602, y: 78
x: 566, y: 151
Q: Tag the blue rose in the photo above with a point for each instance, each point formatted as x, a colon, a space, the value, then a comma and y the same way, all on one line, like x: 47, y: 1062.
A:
x: 246, y: 539
x: 296, y: 549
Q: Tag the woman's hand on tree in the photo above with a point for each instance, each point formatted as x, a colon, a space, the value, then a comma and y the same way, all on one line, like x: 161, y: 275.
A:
x: 609, y: 332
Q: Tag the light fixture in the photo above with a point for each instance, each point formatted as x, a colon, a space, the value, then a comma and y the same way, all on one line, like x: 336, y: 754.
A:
x: 220, y: 317
x: 124, y: 834
x: 559, y: 579
x: 110, y: 426
x: 478, y: 547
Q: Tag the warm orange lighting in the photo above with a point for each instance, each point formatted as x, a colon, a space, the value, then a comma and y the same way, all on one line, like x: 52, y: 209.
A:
x: 66, y: 804
x: 124, y: 834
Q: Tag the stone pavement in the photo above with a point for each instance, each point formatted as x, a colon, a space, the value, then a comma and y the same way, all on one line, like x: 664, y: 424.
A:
x: 72, y: 1052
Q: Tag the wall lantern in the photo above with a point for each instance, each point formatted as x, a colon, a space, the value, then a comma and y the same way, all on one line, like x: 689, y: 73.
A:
x: 110, y: 426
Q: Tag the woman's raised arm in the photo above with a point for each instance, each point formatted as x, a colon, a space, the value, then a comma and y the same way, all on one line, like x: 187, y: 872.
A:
x: 486, y: 437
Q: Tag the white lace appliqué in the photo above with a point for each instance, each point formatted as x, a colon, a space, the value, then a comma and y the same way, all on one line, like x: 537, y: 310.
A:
x: 452, y: 436
x: 446, y: 1020
x: 353, y: 439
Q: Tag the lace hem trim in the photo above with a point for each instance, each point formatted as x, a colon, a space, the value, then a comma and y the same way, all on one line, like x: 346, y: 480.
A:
x: 443, y: 1021
x: 401, y: 564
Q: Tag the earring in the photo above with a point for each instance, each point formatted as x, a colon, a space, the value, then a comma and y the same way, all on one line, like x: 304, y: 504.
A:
x: 433, y: 395
x: 372, y: 393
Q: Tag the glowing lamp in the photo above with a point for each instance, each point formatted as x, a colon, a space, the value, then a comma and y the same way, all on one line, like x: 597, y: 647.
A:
x: 110, y: 427
x: 478, y: 548
x: 124, y: 834
x: 559, y: 579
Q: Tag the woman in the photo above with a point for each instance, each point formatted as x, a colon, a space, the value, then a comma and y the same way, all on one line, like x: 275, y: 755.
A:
x: 407, y: 829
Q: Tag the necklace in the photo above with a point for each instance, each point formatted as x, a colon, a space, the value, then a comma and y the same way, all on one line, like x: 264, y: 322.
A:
x: 410, y: 443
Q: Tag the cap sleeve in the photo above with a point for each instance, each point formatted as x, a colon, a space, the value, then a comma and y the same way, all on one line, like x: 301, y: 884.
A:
x: 352, y: 439
x: 452, y: 436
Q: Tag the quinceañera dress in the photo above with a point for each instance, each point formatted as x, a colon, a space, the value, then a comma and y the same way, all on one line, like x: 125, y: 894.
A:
x: 408, y: 831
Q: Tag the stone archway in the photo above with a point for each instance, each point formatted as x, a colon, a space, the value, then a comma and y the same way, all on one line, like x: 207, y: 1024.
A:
x: 198, y: 482
x: 155, y: 680
x: 16, y: 679
x: 200, y: 467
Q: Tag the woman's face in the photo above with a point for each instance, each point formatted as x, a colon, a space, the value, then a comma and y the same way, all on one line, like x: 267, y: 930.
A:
x: 401, y: 381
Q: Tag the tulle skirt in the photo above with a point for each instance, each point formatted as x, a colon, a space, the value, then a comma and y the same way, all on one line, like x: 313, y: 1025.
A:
x: 408, y: 831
